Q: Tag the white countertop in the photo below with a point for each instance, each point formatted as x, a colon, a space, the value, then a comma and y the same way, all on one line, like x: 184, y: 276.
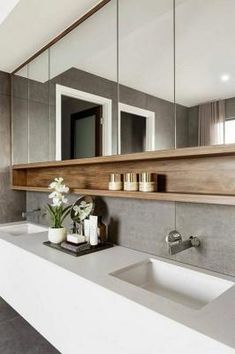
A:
x: 215, y: 320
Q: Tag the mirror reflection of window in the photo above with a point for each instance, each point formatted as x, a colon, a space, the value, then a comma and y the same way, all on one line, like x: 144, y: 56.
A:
x: 230, y: 131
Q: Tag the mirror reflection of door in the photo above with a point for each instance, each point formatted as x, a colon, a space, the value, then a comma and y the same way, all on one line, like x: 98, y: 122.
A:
x: 86, y: 133
x: 81, y: 134
x: 133, y: 133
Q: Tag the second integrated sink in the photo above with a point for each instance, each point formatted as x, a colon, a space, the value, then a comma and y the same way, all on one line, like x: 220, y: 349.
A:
x: 22, y: 228
x: 179, y: 284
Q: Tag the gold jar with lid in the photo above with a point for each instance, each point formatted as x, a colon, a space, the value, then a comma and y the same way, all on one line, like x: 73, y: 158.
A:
x: 131, y: 182
x: 146, y: 182
x: 115, y: 182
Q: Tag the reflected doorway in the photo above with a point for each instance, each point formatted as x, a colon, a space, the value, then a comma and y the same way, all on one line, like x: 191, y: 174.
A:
x: 83, y: 124
x: 86, y: 133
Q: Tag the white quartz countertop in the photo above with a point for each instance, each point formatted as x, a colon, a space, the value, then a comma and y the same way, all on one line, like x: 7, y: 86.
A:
x: 215, y: 320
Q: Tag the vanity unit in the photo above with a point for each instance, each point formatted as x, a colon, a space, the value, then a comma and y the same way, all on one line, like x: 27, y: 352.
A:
x: 117, y: 300
x: 125, y: 90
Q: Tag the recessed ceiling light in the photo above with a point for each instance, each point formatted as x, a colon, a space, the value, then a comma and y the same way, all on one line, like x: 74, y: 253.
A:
x: 225, y: 77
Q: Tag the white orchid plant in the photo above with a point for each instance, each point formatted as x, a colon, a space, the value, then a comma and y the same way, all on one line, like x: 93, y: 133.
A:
x: 57, y: 210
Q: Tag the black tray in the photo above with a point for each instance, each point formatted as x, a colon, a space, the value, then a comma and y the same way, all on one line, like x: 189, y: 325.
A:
x: 93, y: 249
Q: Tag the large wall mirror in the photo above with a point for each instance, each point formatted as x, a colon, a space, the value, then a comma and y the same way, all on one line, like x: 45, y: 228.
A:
x: 205, y: 72
x: 65, y: 101
x: 146, y: 76
x: 135, y: 76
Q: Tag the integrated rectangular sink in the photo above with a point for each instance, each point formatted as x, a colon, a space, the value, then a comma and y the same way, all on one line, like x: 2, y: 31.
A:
x: 22, y: 228
x: 181, y: 285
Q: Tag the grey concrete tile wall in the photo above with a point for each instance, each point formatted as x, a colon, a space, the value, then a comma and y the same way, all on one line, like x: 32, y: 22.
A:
x: 215, y: 226
x: 143, y: 225
x: 11, y: 203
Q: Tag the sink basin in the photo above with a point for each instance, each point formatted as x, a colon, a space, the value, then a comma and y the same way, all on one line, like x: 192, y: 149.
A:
x: 22, y: 228
x: 181, y: 285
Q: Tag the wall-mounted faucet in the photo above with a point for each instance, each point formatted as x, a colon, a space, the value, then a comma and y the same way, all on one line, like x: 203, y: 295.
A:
x: 176, y: 244
x: 24, y: 214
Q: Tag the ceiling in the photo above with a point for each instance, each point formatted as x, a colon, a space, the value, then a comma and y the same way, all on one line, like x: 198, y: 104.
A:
x: 27, y: 25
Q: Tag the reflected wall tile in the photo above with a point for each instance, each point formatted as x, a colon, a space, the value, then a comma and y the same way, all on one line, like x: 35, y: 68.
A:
x: 4, y: 131
x: 20, y: 130
x: 39, y: 91
x: 38, y: 131
x: 5, y: 87
x: 20, y: 86
x: 52, y: 133
x: 132, y: 97
x: 87, y: 82
x: 182, y: 126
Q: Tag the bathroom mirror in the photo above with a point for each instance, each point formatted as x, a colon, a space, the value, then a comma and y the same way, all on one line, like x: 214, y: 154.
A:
x: 83, y: 78
x: 19, y: 116
x: 65, y: 100
x: 133, y: 77
x: 146, y: 76
x: 31, y: 128
x: 205, y: 72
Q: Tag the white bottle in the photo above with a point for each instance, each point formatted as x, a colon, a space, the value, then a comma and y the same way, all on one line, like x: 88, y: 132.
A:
x: 87, y: 229
x: 93, y: 230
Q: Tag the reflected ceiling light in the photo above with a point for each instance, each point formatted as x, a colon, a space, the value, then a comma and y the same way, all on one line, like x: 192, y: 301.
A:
x: 225, y: 77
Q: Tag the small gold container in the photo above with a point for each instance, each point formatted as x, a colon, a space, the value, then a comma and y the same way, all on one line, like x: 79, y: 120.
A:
x: 146, y: 183
x: 115, y: 182
x: 131, y: 182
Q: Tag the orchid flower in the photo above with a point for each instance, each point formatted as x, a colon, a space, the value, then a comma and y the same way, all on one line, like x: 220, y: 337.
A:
x: 57, y: 211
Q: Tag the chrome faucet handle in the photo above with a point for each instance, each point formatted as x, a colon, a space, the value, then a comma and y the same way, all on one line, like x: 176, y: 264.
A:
x: 173, y: 237
x: 195, y: 241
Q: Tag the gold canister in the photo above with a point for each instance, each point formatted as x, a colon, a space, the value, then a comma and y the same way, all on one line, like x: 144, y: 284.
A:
x: 131, y: 182
x: 146, y: 182
x: 115, y: 182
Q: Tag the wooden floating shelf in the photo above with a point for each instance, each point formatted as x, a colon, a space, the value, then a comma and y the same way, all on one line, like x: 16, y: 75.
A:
x: 173, y: 197
x: 194, y: 175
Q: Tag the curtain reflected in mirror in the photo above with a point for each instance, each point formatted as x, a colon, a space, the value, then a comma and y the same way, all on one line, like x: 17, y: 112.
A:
x: 211, y: 119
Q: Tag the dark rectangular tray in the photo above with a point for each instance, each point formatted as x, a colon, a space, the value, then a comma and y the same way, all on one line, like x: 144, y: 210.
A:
x: 93, y: 249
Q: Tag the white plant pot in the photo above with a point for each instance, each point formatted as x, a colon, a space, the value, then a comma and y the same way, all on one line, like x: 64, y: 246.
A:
x: 57, y: 235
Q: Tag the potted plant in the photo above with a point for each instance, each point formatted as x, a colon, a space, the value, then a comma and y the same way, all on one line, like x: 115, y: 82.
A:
x: 57, y: 211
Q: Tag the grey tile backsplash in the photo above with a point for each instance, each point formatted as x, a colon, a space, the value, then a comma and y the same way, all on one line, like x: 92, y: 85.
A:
x: 143, y: 225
